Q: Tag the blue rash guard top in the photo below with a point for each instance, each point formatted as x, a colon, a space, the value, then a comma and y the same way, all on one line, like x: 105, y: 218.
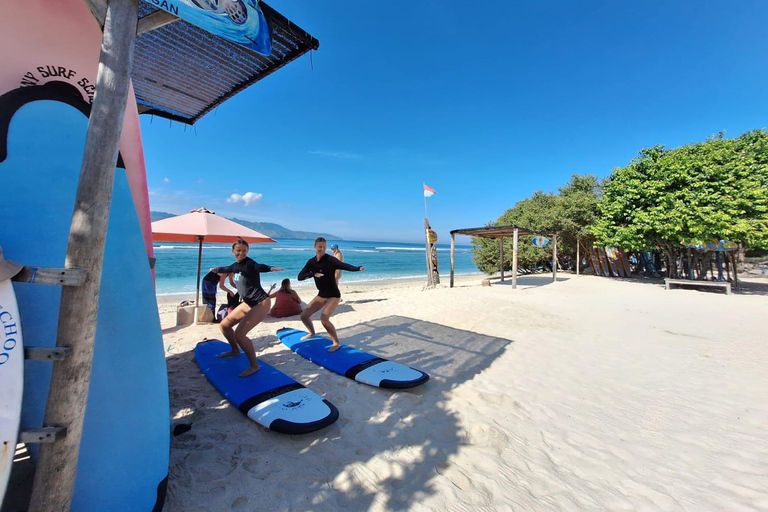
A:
x: 327, y: 265
x: 247, y: 280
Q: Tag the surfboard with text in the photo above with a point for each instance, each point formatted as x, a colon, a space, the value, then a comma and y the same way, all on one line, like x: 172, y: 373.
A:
x: 11, y: 379
x: 352, y: 363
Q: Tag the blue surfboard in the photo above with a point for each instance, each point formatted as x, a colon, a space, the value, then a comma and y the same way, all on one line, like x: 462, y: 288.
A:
x: 268, y: 397
x: 352, y: 363
x: 125, y: 446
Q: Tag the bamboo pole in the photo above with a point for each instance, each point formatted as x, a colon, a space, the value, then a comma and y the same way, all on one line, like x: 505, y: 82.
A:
x: 430, y: 281
x: 453, y: 256
x: 57, y: 467
x: 514, y: 259
x: 554, y: 259
x: 501, y: 257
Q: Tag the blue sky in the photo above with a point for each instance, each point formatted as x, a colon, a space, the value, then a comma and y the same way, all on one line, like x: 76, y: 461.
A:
x: 485, y: 102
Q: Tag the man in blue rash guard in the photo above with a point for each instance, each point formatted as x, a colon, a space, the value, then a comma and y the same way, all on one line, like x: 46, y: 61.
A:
x: 252, y: 310
x: 323, y: 268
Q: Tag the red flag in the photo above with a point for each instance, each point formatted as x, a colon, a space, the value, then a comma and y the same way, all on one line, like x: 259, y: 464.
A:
x: 428, y: 191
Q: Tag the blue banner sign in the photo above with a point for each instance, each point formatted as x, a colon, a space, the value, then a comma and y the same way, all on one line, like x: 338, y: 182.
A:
x: 540, y: 241
x: 239, y: 21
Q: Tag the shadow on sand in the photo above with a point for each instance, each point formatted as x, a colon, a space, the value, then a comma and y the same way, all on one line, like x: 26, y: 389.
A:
x: 385, y: 448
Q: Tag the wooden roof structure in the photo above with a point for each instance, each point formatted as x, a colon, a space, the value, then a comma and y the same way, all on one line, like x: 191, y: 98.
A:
x: 501, y: 232
x: 181, y: 71
x: 494, y: 232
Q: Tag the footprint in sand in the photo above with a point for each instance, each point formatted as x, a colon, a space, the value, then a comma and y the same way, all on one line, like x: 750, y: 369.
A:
x: 241, y: 503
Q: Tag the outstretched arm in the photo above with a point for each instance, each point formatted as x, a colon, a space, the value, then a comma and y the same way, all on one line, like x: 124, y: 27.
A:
x: 340, y: 265
x: 223, y: 270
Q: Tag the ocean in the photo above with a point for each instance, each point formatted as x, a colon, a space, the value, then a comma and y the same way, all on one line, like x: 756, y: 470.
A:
x: 176, y: 264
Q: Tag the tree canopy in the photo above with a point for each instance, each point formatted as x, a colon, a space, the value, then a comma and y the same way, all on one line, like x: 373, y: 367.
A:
x: 698, y: 193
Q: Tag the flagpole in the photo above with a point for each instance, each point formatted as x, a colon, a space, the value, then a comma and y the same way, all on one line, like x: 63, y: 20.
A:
x: 425, y: 202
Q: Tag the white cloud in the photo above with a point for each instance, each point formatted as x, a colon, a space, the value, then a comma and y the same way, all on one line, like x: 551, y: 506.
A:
x: 335, y: 154
x: 247, y: 199
x: 166, y: 180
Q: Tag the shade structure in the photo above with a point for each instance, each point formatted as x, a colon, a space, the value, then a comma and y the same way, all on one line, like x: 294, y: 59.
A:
x: 203, y: 225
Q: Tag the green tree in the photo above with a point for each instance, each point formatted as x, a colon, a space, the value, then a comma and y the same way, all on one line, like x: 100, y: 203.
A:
x: 713, y: 190
x: 568, y: 213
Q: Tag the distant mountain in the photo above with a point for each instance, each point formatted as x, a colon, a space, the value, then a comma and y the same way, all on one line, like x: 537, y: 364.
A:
x: 268, y: 228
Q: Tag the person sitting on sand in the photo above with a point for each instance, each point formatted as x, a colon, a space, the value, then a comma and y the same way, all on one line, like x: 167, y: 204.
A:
x: 323, y: 267
x: 233, y: 298
x: 210, y: 282
x: 287, y: 301
x: 252, y: 310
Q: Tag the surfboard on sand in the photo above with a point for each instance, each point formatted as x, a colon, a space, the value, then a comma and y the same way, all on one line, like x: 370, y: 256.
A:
x: 352, y: 363
x: 268, y: 397
x: 11, y: 379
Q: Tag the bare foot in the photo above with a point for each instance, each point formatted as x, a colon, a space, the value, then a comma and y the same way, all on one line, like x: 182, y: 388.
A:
x: 250, y: 371
x: 334, y: 347
x: 308, y: 336
x: 231, y: 353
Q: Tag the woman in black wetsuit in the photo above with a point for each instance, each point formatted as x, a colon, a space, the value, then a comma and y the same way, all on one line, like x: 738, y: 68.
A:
x: 252, y: 310
x: 323, y: 268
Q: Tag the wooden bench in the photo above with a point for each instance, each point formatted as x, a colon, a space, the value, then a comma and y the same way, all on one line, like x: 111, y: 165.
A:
x: 695, y: 284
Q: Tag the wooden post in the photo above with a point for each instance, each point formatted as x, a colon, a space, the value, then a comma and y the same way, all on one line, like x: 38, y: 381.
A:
x: 453, y: 254
x: 501, y: 257
x: 578, y: 258
x: 56, y: 469
x: 735, y: 270
x: 514, y: 259
x: 554, y: 258
x: 689, y: 256
x: 430, y: 281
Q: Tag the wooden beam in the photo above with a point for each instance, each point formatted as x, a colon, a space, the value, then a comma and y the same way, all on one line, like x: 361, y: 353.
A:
x: 57, y: 466
x: 501, y: 257
x: 430, y: 281
x: 154, y: 21
x: 514, y: 259
x: 554, y: 259
x: 453, y: 256
x: 51, y: 276
x: 578, y: 258
x: 98, y: 9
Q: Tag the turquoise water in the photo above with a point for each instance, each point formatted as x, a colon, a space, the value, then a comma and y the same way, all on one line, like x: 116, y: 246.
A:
x: 176, y: 265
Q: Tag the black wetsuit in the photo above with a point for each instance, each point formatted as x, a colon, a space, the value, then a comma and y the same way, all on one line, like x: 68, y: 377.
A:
x: 247, y: 280
x: 326, y: 285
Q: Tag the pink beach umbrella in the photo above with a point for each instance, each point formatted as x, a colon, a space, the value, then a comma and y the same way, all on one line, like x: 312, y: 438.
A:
x: 203, y: 225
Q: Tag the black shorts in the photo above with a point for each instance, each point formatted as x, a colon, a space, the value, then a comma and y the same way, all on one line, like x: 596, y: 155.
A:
x: 252, y: 302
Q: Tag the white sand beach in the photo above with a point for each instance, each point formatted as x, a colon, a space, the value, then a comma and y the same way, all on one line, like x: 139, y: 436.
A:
x: 585, y: 394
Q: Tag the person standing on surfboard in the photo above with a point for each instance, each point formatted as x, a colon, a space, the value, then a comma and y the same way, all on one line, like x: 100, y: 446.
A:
x: 252, y: 310
x: 323, y: 268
